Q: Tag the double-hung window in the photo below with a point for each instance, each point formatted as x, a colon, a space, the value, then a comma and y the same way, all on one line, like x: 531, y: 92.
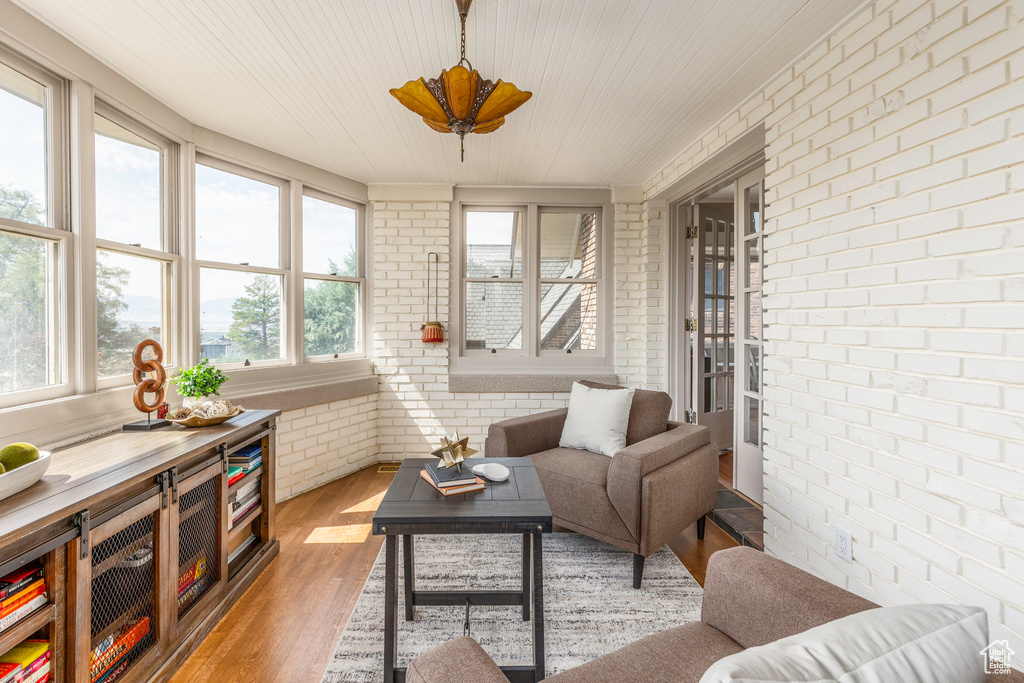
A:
x: 240, y: 248
x: 33, y: 234
x: 135, y: 172
x: 531, y: 284
x: 332, y: 268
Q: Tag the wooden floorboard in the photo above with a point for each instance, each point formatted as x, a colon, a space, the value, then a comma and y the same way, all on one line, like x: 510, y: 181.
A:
x: 285, y: 627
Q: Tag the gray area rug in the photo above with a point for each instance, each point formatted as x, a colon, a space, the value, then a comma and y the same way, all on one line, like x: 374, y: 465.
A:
x: 590, y: 606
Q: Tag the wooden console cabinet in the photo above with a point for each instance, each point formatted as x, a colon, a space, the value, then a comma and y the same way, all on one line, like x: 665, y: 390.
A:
x: 132, y: 530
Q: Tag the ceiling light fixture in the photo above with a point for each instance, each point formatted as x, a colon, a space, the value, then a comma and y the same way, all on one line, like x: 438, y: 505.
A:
x: 459, y: 100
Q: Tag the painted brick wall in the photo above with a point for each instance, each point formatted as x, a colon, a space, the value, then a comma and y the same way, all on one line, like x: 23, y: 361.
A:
x: 318, y: 444
x: 895, y: 303
x: 415, y: 406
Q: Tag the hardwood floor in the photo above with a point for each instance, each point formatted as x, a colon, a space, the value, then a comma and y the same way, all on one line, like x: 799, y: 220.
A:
x: 285, y: 627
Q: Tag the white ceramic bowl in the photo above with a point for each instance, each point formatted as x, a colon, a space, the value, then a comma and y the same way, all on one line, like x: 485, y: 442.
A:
x: 492, y: 471
x: 21, y: 478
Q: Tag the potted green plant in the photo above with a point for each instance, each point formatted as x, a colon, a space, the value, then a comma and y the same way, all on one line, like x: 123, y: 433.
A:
x: 199, y: 382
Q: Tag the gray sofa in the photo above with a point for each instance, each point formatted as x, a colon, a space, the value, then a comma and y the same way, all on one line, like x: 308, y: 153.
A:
x: 750, y: 599
x: 664, y: 480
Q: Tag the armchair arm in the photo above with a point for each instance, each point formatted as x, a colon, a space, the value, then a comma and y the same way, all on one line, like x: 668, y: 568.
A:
x: 458, y: 661
x: 522, y: 436
x: 756, y: 599
x: 632, y: 464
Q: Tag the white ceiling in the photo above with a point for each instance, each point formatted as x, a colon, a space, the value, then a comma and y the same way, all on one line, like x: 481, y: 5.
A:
x: 619, y: 86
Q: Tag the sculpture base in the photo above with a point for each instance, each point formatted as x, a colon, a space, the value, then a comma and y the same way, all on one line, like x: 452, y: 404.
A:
x: 144, y: 425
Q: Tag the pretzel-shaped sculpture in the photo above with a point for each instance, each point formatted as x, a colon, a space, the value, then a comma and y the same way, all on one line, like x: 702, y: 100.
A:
x: 152, y: 385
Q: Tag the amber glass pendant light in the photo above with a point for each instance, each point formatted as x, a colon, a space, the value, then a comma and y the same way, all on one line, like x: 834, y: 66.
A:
x: 459, y: 100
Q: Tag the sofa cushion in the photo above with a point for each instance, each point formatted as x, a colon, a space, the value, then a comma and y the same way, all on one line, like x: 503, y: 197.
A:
x: 575, y: 483
x: 909, y: 643
x: 678, y: 655
x: 458, y: 661
x: 597, y: 419
x: 649, y: 414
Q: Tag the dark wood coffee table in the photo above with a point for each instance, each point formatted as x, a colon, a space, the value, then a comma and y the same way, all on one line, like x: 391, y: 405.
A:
x: 412, y: 507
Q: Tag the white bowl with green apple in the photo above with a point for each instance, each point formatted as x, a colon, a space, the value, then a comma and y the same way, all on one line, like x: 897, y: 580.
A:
x: 23, y: 465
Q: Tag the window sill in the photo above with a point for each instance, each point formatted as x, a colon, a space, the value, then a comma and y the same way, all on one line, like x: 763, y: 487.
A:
x: 488, y: 383
x: 71, y: 419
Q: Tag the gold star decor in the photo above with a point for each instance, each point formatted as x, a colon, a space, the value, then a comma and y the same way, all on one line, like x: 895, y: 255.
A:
x: 452, y: 452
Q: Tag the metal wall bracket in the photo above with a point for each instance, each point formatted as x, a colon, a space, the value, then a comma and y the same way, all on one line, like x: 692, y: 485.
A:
x: 691, y: 325
x: 691, y: 417
x: 82, y: 522
x: 691, y: 232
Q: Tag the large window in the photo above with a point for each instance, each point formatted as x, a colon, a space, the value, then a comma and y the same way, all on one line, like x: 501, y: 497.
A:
x: 332, y: 280
x: 133, y: 259
x: 33, y: 237
x: 240, y: 220
x: 531, y: 281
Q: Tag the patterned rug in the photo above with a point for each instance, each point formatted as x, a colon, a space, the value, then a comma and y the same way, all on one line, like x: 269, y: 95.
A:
x: 590, y: 605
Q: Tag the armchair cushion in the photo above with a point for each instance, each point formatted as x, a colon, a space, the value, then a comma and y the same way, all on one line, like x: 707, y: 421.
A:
x: 458, y: 661
x: 597, y: 419
x: 649, y: 414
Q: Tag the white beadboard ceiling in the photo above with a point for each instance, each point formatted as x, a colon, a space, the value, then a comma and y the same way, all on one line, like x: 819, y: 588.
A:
x: 619, y: 86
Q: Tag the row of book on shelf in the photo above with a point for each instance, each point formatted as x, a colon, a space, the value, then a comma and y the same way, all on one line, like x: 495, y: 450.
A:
x: 450, y: 481
x: 22, y: 592
x: 247, y: 497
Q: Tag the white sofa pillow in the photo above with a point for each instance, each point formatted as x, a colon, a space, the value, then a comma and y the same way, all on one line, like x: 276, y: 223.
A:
x: 908, y: 644
x: 597, y: 419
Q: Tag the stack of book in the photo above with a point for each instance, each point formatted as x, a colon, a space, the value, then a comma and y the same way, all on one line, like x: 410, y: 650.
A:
x: 192, y: 582
x: 26, y: 662
x: 449, y: 481
x: 248, y: 459
x: 22, y: 592
x: 243, y: 501
x: 112, y: 656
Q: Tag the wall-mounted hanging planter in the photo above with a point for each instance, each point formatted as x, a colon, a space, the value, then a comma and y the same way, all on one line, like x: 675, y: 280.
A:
x: 432, y: 331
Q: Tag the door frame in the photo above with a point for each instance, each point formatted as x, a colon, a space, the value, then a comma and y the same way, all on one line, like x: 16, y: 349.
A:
x: 680, y: 287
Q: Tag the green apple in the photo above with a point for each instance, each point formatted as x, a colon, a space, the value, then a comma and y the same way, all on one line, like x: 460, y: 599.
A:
x: 16, y: 455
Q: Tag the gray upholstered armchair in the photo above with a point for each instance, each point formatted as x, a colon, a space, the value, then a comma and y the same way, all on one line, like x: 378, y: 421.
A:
x: 664, y: 480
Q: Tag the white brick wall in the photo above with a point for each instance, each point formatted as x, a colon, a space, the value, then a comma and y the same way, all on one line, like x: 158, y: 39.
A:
x: 415, y: 406
x: 321, y: 443
x: 894, y: 262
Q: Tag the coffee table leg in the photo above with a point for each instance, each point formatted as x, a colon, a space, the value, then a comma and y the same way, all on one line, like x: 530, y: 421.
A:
x: 390, y: 605
x: 538, y: 608
x: 410, y: 575
x: 526, y: 576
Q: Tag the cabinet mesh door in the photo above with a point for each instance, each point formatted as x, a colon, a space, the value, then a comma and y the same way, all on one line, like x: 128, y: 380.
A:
x: 123, y: 600
x: 198, y: 543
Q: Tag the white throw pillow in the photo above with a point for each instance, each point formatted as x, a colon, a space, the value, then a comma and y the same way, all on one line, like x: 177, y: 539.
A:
x: 597, y: 419
x: 908, y: 644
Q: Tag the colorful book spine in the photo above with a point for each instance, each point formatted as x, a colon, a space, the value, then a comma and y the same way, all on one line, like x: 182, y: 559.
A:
x: 129, y: 637
x: 195, y: 590
x: 244, y: 492
x: 41, y: 676
x: 192, y: 574
x: 242, y: 512
x: 454, y: 490
x: 235, y: 474
x: 22, y: 612
x: 15, y: 601
x: 43, y: 662
x: 19, y: 580
x: 9, y: 673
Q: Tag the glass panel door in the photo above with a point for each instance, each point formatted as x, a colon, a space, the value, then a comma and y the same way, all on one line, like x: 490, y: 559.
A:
x: 749, y: 423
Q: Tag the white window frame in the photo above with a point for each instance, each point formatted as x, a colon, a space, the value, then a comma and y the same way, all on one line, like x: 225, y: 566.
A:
x: 56, y: 230
x: 169, y: 235
x: 531, y: 360
x: 284, y: 269
x: 359, y: 279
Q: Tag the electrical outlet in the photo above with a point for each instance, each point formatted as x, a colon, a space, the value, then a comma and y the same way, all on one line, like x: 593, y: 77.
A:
x: 844, y: 544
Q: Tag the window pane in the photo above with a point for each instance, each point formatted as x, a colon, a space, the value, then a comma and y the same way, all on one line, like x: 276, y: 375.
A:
x: 332, y: 317
x: 752, y: 196
x: 129, y: 197
x: 751, y: 425
x: 328, y: 238
x: 130, y: 307
x: 494, y: 315
x: 494, y: 244
x: 753, y: 313
x: 568, y: 245
x: 568, y: 316
x: 238, y: 220
x: 28, y: 334
x: 239, y: 316
x: 23, y: 186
